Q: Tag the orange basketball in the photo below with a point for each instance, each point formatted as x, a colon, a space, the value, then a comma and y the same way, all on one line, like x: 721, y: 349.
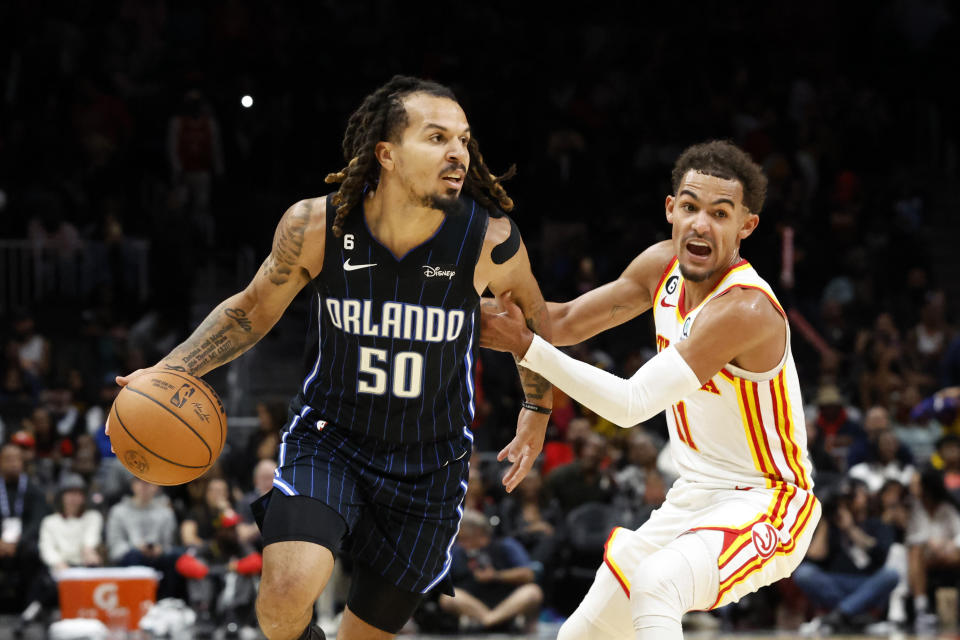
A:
x: 167, y: 427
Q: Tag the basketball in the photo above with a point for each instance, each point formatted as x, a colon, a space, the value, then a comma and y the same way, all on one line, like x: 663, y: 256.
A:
x: 167, y: 427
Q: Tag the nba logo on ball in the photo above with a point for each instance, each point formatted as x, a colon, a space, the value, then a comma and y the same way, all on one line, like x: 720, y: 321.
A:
x: 182, y: 395
x: 765, y: 539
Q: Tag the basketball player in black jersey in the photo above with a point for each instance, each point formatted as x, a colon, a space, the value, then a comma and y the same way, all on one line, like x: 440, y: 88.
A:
x: 374, y: 457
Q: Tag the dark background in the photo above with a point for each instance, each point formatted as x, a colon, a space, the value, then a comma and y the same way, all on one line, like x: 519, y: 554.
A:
x: 108, y: 258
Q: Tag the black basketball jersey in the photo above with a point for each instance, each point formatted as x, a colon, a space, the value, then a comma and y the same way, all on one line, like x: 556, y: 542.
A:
x: 396, y: 335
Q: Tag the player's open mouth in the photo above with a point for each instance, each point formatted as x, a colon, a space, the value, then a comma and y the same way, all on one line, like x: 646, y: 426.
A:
x: 454, y: 180
x: 699, y: 248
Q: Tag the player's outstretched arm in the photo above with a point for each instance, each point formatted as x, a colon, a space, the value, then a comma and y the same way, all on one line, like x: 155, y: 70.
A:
x: 513, y: 274
x: 741, y: 327
x: 238, y: 322
x: 608, y: 305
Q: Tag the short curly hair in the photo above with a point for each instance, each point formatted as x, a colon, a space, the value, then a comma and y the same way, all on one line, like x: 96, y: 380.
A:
x: 725, y: 160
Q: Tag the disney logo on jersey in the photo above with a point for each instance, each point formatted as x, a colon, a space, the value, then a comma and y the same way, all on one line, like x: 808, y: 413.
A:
x: 441, y: 271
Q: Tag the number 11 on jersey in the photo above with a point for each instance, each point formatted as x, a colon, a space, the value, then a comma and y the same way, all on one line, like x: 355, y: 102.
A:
x: 406, y: 378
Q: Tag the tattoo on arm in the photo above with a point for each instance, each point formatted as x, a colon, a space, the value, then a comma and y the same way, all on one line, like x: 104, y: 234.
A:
x: 240, y: 316
x: 536, y: 388
x: 287, y: 245
x: 174, y: 367
x: 216, y: 341
x: 489, y: 305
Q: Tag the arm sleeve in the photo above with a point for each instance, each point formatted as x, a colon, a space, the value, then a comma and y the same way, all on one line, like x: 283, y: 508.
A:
x: 665, y: 379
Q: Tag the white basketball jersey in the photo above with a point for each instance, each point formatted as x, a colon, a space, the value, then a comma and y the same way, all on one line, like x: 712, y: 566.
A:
x: 741, y: 429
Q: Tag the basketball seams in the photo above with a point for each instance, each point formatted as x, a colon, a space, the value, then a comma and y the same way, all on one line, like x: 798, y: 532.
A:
x: 173, y: 413
x: 152, y: 452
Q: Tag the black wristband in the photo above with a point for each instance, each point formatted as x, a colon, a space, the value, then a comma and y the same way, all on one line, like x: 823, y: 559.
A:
x: 529, y: 406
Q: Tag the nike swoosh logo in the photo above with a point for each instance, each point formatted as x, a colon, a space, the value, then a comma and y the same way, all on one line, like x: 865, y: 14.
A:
x: 353, y: 267
x: 663, y: 303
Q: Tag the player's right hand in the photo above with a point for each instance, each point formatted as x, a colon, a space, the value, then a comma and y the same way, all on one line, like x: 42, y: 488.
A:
x: 124, y: 381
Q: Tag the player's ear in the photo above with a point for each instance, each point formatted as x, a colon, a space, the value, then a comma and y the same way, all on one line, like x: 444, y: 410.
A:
x: 668, y: 207
x: 384, y: 153
x: 750, y: 222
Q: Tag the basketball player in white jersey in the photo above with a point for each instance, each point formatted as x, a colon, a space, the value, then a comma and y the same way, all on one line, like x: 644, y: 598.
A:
x: 742, y: 513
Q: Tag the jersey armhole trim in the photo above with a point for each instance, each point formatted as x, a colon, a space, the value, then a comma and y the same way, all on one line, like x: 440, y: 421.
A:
x: 663, y: 278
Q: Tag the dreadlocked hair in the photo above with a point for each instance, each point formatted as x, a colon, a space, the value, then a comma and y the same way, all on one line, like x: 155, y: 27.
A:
x: 483, y: 186
x: 382, y: 116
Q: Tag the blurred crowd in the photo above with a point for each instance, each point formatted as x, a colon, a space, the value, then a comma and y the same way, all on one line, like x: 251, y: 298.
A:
x: 128, y: 161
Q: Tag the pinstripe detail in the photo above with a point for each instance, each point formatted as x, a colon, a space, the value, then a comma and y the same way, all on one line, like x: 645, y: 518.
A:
x: 468, y: 360
x: 449, y: 561
x: 316, y: 367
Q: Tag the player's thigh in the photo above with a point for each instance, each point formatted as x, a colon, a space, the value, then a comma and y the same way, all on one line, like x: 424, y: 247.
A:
x: 603, y: 614
x: 406, y: 532
x: 294, y: 573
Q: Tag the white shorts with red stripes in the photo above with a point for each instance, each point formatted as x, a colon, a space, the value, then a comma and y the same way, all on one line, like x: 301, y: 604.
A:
x: 756, y: 536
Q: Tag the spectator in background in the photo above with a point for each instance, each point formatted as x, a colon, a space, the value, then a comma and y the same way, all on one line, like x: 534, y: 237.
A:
x: 493, y: 580
x: 583, y: 480
x: 221, y: 574
x: 933, y: 543
x: 141, y: 530
x: 835, y: 424
x: 528, y: 518
x: 247, y: 529
x: 69, y: 537
x: 32, y: 348
x: 262, y: 443
x: 927, y: 341
x: 19, y: 391
x: 884, y: 464
x: 844, y: 570
x: 884, y: 370
x: 875, y: 422
x: 948, y: 449
x: 22, y: 508
x: 477, y: 497
x: 639, y: 480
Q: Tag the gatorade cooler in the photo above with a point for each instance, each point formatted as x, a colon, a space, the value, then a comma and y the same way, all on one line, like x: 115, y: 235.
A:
x: 119, y: 596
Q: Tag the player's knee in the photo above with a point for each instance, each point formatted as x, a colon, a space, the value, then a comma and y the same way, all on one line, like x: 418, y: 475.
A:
x: 282, y: 607
x: 576, y: 627
x: 661, y: 585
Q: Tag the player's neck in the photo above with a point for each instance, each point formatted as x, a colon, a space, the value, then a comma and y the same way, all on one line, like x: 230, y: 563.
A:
x: 696, y: 292
x: 397, y: 223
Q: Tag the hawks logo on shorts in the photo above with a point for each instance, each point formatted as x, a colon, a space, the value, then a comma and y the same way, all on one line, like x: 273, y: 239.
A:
x: 765, y: 538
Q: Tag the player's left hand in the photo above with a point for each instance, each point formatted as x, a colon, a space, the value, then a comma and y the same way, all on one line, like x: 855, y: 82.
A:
x: 524, y: 448
x: 505, y: 331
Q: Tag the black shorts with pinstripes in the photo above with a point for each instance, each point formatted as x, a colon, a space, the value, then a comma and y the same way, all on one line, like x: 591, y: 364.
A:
x: 402, y: 503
